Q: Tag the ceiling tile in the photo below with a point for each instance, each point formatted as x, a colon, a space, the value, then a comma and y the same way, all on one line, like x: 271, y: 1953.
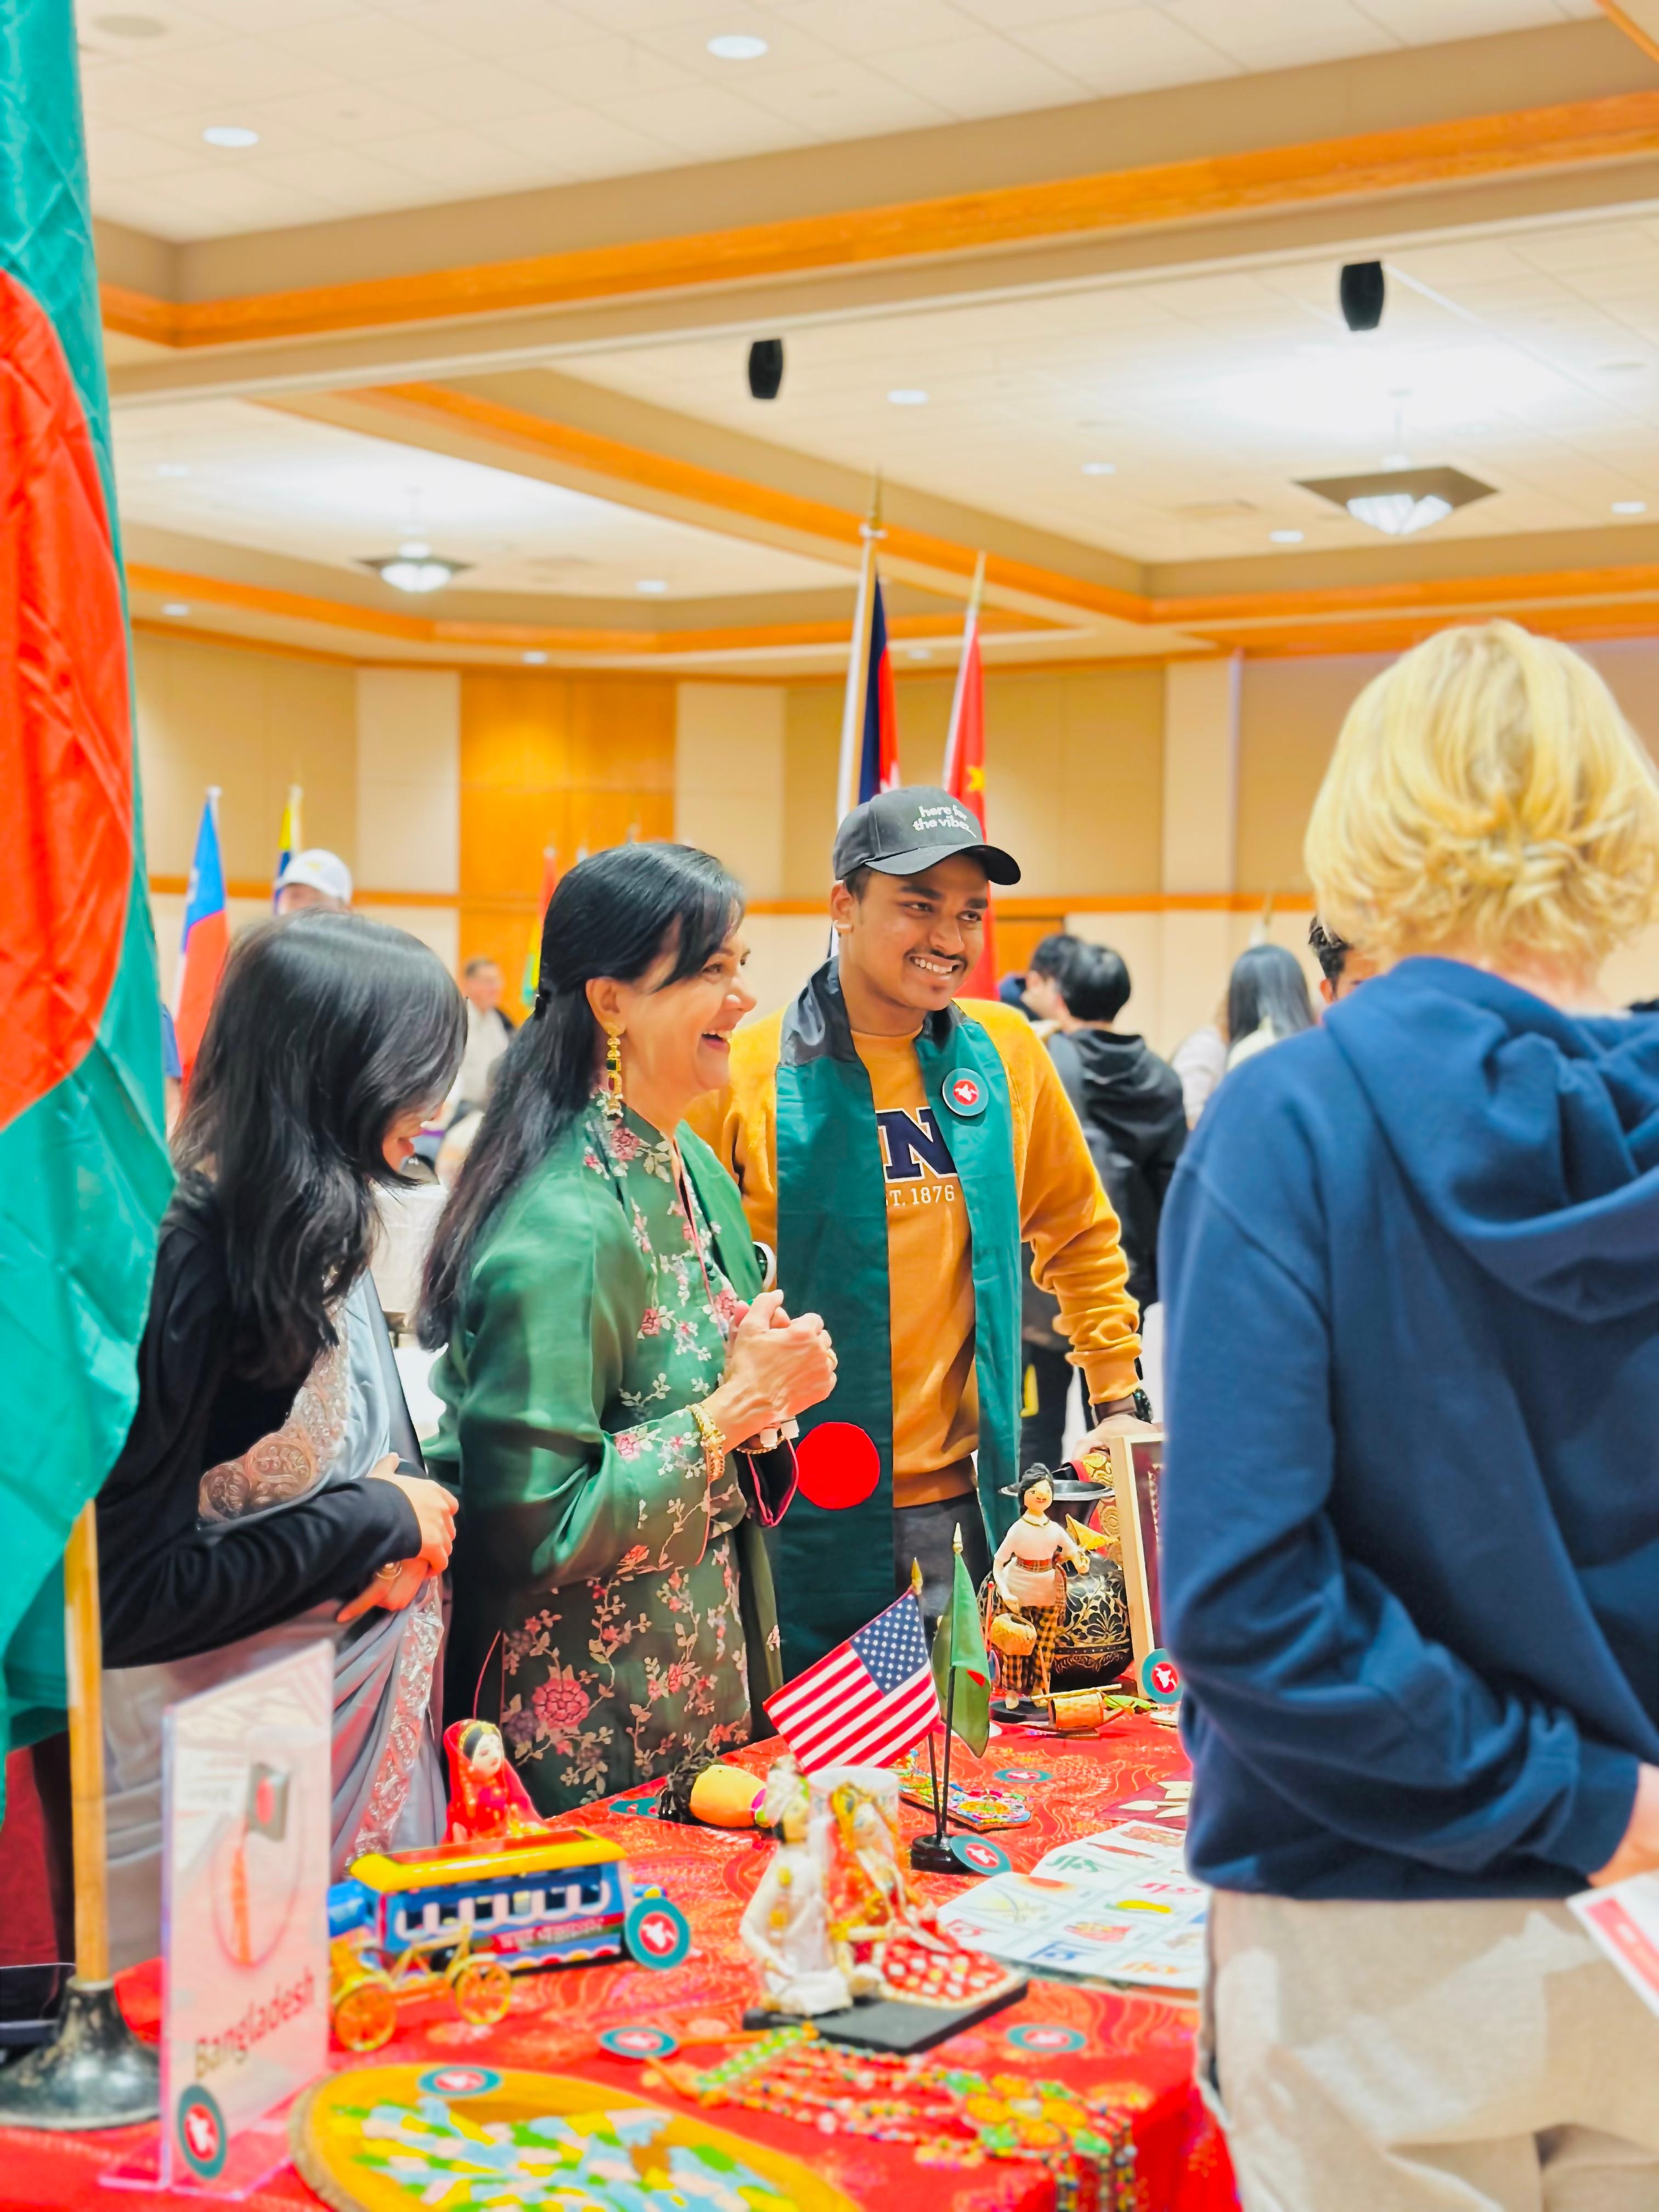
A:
x: 979, y: 73
x: 469, y: 92
x: 714, y: 126
x: 250, y: 68
x: 838, y: 99
x: 1127, y: 50
x: 865, y: 27
x: 364, y: 47
x: 347, y: 115
x: 582, y: 142
x: 603, y: 68
x: 122, y: 156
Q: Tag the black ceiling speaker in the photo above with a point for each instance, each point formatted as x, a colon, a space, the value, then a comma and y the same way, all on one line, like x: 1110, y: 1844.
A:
x: 1361, y: 292
x: 766, y: 368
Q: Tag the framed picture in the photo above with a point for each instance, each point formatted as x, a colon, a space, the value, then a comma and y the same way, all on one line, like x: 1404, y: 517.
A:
x: 1137, y: 1464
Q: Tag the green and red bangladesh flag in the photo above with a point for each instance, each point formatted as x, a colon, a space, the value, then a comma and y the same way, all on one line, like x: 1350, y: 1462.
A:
x: 83, y: 1169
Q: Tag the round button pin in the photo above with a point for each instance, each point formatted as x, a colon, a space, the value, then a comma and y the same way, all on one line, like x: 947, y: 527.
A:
x: 640, y: 2042
x: 965, y: 1096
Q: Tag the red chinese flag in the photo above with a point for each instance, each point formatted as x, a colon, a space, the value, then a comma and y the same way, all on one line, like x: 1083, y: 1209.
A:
x: 964, y: 779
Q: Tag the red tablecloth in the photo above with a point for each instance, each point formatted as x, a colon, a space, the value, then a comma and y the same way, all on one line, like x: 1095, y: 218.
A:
x: 1139, y: 2049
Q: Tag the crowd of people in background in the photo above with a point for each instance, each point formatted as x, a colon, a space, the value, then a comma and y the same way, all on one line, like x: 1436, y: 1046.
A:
x: 1411, y: 1537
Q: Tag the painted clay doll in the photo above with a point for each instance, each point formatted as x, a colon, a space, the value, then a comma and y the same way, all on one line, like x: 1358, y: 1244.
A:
x: 785, y: 1924
x: 1028, y: 1580
x: 488, y: 1804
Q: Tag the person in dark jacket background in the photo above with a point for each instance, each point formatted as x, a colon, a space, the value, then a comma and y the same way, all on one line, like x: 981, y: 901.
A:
x: 1130, y: 1107
x: 1409, y: 1514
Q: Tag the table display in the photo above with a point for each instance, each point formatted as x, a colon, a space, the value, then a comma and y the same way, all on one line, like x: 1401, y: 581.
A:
x: 1125, y: 2059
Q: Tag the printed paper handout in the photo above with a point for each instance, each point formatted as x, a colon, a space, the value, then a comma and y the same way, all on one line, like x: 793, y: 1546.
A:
x: 1623, y: 1918
x: 1118, y: 1906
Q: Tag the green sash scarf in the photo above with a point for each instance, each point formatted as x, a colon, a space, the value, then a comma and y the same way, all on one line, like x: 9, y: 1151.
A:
x: 835, y: 1571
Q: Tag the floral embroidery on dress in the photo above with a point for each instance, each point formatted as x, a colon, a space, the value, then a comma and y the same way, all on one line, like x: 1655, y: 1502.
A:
x: 619, y: 1679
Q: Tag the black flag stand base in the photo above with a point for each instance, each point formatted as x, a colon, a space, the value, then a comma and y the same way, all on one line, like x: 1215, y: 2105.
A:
x: 94, y: 2072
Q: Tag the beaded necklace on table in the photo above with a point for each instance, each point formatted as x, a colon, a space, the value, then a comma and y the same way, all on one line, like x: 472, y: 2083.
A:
x: 949, y: 2116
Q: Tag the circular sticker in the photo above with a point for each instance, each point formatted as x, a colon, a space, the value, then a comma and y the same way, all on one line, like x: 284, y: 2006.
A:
x: 1160, y: 1678
x: 639, y: 2043
x: 1022, y: 1774
x: 978, y: 1855
x: 657, y: 1933
x: 964, y: 1095
x: 201, y: 2133
x: 837, y: 1465
x: 1047, y: 2037
x: 639, y: 1808
x: 459, y: 2081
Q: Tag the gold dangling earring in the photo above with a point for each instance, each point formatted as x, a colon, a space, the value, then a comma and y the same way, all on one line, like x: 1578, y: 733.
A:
x: 613, y: 1077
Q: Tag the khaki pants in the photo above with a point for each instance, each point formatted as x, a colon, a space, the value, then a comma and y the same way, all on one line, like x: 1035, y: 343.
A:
x: 1468, y: 2057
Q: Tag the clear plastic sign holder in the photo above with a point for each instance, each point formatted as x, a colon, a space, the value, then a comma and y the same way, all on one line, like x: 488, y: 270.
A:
x: 245, y: 1795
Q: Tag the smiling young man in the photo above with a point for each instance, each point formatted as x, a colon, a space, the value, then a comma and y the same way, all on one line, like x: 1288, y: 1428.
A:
x: 895, y: 1147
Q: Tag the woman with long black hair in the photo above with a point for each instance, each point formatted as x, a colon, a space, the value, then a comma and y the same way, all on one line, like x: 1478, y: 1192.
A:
x: 332, y: 1039
x: 611, y: 1352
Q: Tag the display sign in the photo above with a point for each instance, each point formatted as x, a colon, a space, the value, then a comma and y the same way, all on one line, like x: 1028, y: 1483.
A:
x: 1137, y: 1464
x: 1623, y: 1918
x: 246, y: 1787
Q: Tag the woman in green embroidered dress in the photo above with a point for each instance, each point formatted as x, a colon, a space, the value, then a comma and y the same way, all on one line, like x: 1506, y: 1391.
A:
x: 609, y: 1352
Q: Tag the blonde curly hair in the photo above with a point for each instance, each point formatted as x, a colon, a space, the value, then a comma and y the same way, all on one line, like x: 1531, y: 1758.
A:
x: 1486, y: 791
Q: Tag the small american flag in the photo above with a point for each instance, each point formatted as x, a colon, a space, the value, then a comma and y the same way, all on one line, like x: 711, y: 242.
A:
x: 866, y: 1702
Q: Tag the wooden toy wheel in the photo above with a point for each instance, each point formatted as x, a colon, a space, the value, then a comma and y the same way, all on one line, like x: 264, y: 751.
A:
x: 483, y: 1991
x: 366, y: 2015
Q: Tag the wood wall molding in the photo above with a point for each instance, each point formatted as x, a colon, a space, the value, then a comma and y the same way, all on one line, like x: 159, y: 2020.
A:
x: 811, y: 525
x: 1621, y: 127
x: 435, y: 630
x: 1381, y: 617
x: 1647, y: 39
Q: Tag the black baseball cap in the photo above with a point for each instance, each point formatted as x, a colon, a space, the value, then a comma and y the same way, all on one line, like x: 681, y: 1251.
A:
x: 904, y: 832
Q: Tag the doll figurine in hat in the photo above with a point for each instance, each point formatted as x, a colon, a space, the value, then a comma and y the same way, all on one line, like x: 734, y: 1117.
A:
x: 488, y: 1804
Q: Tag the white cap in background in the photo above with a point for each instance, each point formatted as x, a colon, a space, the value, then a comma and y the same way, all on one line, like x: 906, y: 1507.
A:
x: 322, y: 871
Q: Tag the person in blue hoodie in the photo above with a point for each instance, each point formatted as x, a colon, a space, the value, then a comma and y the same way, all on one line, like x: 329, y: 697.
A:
x: 1410, y: 1516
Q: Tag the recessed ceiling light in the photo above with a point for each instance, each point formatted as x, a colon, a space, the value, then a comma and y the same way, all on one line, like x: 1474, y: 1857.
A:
x: 535, y: 660
x: 129, y: 27
x: 1286, y: 537
x: 1630, y: 507
x: 653, y: 585
x: 1100, y: 468
x: 737, y: 46
x: 173, y: 468
x: 230, y: 134
x: 176, y: 607
x: 907, y: 395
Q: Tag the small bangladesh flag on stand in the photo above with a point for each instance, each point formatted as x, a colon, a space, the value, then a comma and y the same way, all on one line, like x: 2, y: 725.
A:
x: 961, y: 1668
x: 83, y: 1169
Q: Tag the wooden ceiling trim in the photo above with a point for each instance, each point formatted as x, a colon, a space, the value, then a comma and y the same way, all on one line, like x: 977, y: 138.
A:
x: 1622, y: 126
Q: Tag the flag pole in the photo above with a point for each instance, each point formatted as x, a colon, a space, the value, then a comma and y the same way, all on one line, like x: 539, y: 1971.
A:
x: 94, y: 2072
x: 971, y: 623
x: 853, y: 702
x: 931, y: 1854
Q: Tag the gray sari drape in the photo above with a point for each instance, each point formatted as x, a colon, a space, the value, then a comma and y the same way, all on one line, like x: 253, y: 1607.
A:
x: 389, y: 1786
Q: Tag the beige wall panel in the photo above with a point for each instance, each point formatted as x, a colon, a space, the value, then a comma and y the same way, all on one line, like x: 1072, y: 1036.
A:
x: 1200, y: 774
x: 783, y: 950
x: 1074, y: 773
x: 1290, y: 712
x: 729, y: 780
x: 811, y: 746
x: 1630, y: 666
x: 253, y: 723
x: 408, y: 779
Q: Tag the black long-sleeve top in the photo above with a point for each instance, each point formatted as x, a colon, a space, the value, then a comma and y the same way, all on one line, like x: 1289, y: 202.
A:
x: 171, y: 1588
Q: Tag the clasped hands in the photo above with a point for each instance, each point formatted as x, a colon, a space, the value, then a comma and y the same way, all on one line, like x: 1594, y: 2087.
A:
x: 776, y: 1366
x: 399, y: 1581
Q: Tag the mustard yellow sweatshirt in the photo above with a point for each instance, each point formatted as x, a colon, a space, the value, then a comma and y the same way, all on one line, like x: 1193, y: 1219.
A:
x: 1065, y: 1216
